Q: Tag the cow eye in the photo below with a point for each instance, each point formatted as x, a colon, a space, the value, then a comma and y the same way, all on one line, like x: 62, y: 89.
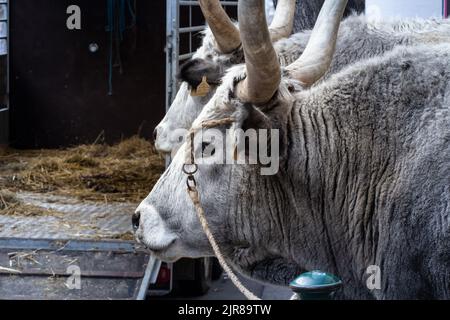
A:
x: 207, y: 149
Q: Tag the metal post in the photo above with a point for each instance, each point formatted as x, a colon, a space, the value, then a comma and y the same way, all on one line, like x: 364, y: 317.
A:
x: 150, y: 277
x: 172, y: 49
x: 445, y: 8
x: 4, y: 109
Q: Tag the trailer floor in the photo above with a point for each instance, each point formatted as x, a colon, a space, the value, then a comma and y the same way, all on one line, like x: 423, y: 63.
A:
x: 37, y: 251
x: 69, y: 218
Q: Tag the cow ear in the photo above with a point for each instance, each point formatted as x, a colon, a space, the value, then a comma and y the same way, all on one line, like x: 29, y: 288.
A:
x: 194, y: 70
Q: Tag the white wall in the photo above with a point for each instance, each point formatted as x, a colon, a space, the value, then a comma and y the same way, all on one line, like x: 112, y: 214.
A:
x: 404, y: 8
x: 270, y: 11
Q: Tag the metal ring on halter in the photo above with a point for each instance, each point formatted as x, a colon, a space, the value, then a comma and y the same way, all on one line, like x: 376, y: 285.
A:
x: 191, y: 183
x: 191, y: 172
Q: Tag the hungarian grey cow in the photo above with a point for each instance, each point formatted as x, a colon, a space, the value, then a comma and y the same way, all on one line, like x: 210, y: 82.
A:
x: 364, y: 168
x: 358, y: 39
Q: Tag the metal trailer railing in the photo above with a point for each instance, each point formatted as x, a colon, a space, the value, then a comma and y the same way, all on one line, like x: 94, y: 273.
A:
x: 182, y: 20
x: 175, y: 30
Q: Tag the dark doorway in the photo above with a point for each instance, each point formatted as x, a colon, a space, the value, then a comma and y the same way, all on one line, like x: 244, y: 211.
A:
x: 59, y: 88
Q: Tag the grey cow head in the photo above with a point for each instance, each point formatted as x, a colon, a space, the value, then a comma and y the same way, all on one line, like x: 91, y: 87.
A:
x: 257, y: 95
x: 168, y: 223
x: 221, y: 49
x: 209, y: 62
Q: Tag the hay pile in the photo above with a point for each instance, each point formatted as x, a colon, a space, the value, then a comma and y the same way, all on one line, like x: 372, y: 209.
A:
x: 123, y: 172
x: 10, y: 205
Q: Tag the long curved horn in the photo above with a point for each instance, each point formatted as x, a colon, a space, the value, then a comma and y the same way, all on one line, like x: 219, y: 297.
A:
x: 263, y: 69
x: 225, y: 32
x: 318, y: 54
x: 283, y: 20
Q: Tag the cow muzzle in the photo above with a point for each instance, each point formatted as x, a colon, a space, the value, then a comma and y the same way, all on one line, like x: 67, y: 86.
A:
x: 152, y: 231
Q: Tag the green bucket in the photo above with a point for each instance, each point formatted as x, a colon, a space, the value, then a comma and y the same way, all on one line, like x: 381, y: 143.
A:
x: 315, y: 285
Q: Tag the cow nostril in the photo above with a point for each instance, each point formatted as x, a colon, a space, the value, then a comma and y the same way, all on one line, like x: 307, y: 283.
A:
x: 135, y: 220
x: 155, y: 134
